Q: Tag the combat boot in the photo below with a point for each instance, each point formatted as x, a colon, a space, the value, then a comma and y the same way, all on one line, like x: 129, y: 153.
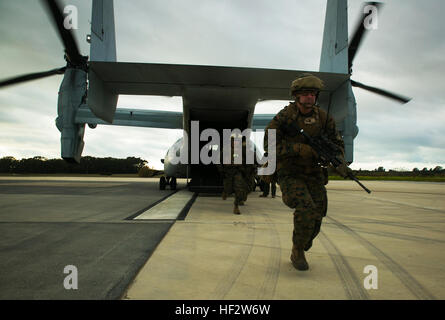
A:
x: 298, y: 259
x: 263, y: 196
x: 236, y: 209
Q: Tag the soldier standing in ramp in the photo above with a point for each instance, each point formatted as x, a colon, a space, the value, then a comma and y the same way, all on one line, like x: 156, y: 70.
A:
x: 237, y: 178
x: 269, y: 184
x: 300, y: 175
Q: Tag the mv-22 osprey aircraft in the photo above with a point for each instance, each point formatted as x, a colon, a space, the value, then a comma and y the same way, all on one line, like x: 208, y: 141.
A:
x: 218, y: 97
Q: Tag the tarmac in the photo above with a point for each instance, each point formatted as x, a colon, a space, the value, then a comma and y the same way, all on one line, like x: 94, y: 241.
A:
x: 49, y: 223
x: 397, y: 230
x: 385, y: 245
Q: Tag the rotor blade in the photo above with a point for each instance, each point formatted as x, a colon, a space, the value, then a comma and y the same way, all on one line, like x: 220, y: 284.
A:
x: 71, y: 48
x: 382, y: 92
x: 31, y: 76
x: 358, y: 34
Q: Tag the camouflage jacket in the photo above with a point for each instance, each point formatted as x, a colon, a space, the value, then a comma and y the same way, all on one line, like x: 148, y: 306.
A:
x: 248, y: 171
x: 316, y: 123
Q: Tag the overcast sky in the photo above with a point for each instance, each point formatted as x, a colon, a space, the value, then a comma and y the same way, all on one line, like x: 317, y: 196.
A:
x: 406, y: 55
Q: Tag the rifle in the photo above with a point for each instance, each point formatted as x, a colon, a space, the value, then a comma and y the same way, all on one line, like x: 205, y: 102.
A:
x: 327, y: 151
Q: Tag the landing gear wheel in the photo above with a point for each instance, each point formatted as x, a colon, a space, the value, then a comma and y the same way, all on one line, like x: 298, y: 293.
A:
x: 162, y: 183
x: 173, y: 183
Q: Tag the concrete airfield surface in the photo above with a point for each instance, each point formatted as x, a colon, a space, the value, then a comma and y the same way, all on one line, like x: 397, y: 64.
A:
x: 48, y: 223
x: 123, y: 238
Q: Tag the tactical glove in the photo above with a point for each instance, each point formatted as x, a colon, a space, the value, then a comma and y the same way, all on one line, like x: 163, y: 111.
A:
x: 343, y: 169
x: 304, y: 150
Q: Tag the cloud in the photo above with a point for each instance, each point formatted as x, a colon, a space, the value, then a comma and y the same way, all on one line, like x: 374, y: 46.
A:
x: 404, y: 55
x: 230, y: 33
x: 121, y: 142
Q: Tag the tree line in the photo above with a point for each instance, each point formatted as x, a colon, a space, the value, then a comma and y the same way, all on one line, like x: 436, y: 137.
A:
x: 415, y: 172
x: 93, y: 165
x: 87, y: 165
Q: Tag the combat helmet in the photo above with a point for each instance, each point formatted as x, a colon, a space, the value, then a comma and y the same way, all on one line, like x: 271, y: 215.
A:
x: 306, y: 81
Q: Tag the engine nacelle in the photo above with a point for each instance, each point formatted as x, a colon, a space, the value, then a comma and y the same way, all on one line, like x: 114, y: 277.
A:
x: 71, y: 95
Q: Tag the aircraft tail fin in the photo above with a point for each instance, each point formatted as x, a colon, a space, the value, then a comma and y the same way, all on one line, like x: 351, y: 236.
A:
x: 103, y: 38
x: 101, y: 100
x: 334, y: 52
x: 334, y: 58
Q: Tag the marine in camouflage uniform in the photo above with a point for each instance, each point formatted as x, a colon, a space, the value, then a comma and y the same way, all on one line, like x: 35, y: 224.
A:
x: 269, y: 184
x: 300, y: 176
x: 238, y: 179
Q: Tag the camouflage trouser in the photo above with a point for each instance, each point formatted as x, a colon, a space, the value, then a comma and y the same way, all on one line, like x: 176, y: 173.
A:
x: 269, y: 187
x: 227, y: 183
x: 272, y: 186
x: 240, y: 187
x: 308, y: 197
x: 234, y: 182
